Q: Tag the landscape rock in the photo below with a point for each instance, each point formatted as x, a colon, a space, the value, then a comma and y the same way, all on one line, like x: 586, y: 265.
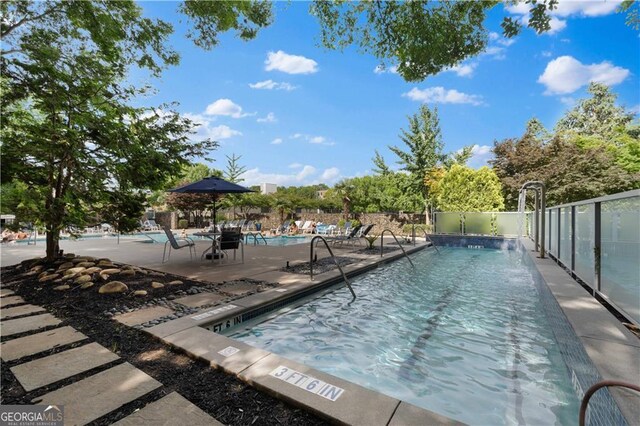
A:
x: 92, y: 270
x: 176, y: 282
x: 113, y: 287
x: 110, y: 271
x: 62, y: 287
x: 83, y: 279
x: 48, y: 278
x: 127, y: 273
x: 140, y: 293
x: 105, y: 262
x: 86, y: 285
x: 86, y: 264
x: 65, y: 266
x: 156, y: 284
x: 75, y: 270
x: 104, y: 277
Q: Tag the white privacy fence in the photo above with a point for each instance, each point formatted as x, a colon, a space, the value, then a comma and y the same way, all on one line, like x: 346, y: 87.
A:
x: 479, y: 223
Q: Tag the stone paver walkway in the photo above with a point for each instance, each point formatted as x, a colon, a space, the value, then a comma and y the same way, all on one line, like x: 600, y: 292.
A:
x: 44, y: 371
x: 97, y: 395
x: 143, y: 315
x: 164, y: 411
x: 200, y: 299
x: 40, y: 342
x: 21, y: 325
x: 10, y: 301
x: 6, y: 292
x: 18, y: 311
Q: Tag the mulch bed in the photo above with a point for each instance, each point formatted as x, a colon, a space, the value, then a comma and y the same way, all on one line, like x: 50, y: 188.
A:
x: 221, y: 395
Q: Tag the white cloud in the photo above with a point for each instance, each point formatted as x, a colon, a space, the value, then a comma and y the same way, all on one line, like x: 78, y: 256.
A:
x: 506, y: 41
x: 496, y: 52
x: 225, y: 107
x: 636, y: 109
x: 493, y: 36
x: 270, y: 118
x: 291, y: 64
x: 276, y: 141
x: 546, y: 54
x: 440, y: 95
x: 566, y: 75
x: 316, y: 140
x: 272, y: 85
x: 202, y: 127
x: 463, y: 70
x: 255, y: 177
x: 556, y: 25
x: 379, y: 69
x: 330, y: 174
x: 295, y: 165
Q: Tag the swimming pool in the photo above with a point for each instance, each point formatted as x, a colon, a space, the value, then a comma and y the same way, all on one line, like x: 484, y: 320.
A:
x: 464, y: 335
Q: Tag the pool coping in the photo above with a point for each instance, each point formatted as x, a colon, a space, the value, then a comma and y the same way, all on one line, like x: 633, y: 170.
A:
x: 612, y: 349
x: 355, y: 404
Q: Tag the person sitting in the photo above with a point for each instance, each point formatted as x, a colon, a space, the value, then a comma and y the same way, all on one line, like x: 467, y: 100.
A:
x: 293, y: 228
x: 8, y: 236
x: 21, y: 235
x: 313, y: 227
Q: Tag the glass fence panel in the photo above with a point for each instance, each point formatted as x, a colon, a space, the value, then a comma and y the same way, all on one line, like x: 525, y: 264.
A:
x: 529, y: 218
x: 553, y: 232
x: 507, y: 223
x: 620, y: 253
x: 565, y: 236
x: 477, y: 223
x: 447, y: 222
x: 585, y: 235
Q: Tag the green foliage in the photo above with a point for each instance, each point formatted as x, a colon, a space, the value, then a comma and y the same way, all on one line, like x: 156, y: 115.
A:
x: 420, y: 228
x: 381, y: 167
x: 371, y: 239
x: 464, y: 189
x: 459, y: 157
x: 69, y: 131
x: 424, y: 142
x: 183, y: 223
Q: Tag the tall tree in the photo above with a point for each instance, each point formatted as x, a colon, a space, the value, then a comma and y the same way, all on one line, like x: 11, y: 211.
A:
x: 69, y: 131
x: 424, y: 142
x: 233, y: 173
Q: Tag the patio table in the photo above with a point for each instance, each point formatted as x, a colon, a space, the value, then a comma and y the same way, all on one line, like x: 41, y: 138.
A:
x: 214, y: 237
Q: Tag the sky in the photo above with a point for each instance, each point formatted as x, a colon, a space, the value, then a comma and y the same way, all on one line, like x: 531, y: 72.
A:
x: 299, y: 114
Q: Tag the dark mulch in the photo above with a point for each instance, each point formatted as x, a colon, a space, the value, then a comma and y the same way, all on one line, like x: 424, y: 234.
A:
x: 376, y: 250
x: 320, y: 266
x: 222, y: 396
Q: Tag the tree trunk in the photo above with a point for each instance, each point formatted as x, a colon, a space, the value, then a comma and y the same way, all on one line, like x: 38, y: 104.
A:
x: 53, y: 244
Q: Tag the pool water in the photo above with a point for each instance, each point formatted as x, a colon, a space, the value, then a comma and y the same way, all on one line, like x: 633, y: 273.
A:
x: 464, y: 335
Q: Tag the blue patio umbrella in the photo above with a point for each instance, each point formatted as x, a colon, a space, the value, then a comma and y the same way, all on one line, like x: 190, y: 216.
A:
x: 212, y: 185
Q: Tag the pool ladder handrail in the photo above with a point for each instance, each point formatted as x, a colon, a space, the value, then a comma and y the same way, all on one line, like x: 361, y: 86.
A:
x: 255, y: 237
x: 397, y: 242
x: 426, y: 236
x: 344, y: 276
x: 594, y: 388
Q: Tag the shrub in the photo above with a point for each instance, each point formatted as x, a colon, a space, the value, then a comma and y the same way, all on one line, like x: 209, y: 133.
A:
x: 420, y: 228
x: 183, y: 223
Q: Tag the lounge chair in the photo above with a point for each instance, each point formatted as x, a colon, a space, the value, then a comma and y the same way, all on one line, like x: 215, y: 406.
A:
x: 306, y: 228
x: 349, y: 238
x: 151, y: 225
x: 282, y: 228
x: 326, y: 229
x: 177, y: 244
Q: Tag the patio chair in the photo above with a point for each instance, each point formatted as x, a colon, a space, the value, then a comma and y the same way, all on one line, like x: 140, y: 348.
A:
x: 177, y: 244
x: 349, y: 238
x: 282, y: 228
x: 306, y: 227
x: 231, y: 240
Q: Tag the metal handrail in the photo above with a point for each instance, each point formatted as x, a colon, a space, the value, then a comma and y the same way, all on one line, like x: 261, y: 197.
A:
x: 255, y: 237
x: 426, y: 236
x: 594, y: 388
x: 344, y: 276
x: 397, y: 242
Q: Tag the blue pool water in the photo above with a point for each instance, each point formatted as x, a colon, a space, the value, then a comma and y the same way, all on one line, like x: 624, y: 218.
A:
x: 464, y: 335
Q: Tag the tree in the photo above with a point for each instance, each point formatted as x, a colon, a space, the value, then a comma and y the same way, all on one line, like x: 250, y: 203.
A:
x: 424, y: 142
x: 422, y: 37
x: 381, y: 166
x: 463, y: 189
x: 69, y: 132
x: 232, y: 173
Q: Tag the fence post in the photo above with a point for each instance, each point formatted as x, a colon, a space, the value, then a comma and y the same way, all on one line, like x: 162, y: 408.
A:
x: 573, y: 239
x: 597, y: 245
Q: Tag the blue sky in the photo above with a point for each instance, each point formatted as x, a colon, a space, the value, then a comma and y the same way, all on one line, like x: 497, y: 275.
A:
x: 299, y: 114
